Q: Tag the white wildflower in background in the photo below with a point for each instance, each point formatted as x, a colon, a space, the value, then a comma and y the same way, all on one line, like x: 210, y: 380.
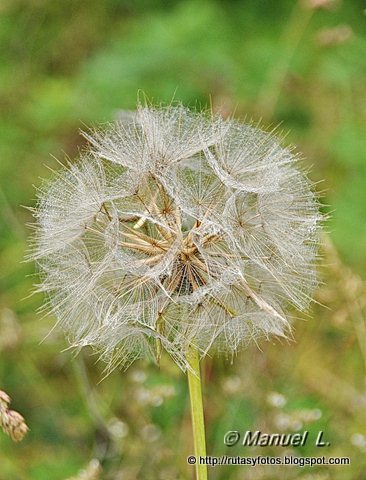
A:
x: 176, y: 228
x: 92, y: 471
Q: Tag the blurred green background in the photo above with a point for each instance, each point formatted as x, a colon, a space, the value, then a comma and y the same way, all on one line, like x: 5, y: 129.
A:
x: 301, y: 64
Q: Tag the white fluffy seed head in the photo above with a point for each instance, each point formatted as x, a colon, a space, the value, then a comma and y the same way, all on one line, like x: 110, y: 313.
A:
x: 176, y: 228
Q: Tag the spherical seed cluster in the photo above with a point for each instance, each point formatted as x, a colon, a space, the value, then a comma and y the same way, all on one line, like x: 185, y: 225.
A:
x: 176, y: 228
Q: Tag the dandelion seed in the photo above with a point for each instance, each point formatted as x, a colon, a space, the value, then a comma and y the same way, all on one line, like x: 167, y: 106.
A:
x: 176, y: 228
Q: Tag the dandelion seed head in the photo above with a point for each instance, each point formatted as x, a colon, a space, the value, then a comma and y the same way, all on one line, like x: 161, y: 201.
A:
x: 176, y: 228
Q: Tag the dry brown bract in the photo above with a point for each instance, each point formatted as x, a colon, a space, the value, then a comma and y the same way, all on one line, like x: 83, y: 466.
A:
x: 12, y: 423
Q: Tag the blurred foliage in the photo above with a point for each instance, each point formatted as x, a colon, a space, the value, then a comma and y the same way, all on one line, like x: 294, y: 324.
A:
x: 75, y: 63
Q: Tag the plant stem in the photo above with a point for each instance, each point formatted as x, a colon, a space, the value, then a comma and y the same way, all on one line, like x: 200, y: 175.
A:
x: 289, y: 41
x: 198, y: 423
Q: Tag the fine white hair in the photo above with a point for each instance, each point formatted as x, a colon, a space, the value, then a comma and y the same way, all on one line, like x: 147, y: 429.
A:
x: 176, y: 228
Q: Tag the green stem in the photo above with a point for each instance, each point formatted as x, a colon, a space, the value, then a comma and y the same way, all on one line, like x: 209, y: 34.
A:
x: 289, y: 41
x: 198, y: 423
